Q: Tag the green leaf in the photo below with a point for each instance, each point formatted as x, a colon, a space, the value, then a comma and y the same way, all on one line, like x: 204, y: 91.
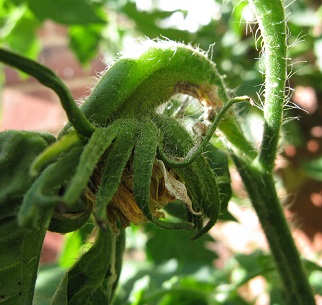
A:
x: 184, y: 297
x: 48, y: 279
x: 315, y: 280
x: 15, y: 162
x: 22, y: 37
x: 84, y: 41
x: 66, y: 11
x: 89, y: 273
x: 164, y: 245
x: 72, y: 244
x: 20, y: 248
x: 254, y: 264
x: 313, y: 168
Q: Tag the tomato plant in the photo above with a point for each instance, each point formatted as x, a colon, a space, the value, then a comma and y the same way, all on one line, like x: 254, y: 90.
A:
x: 123, y: 159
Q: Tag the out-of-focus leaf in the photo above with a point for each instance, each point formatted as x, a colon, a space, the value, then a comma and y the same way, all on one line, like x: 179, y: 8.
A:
x: 67, y: 12
x: 318, y: 52
x: 292, y: 132
x: 313, y: 169
x: 71, y: 249
x: 18, y: 26
x: 315, y: 275
x: 147, y: 23
x: 17, y: 2
x: 311, y: 266
x: 84, y: 41
x: 184, y: 297
x: 315, y: 280
x: 165, y: 244
x: 253, y: 265
x: 236, y: 18
x: 48, y: 279
x: 227, y: 216
x: 22, y: 36
x: 73, y: 245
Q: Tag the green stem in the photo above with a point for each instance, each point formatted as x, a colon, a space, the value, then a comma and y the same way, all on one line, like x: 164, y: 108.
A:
x: 271, y: 19
x: 49, y: 79
x: 258, y: 177
x: 261, y: 189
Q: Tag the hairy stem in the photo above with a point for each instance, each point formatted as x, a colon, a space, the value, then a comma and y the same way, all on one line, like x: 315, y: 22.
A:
x: 261, y: 189
x: 271, y: 20
x: 257, y: 176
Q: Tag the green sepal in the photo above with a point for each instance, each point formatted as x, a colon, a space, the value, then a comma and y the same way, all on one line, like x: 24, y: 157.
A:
x: 53, y: 151
x: 98, y: 143
x: 144, y: 156
x: 200, y: 148
x: 199, y: 179
x: 43, y: 194
x: 218, y: 161
x: 114, y: 165
x: 70, y: 220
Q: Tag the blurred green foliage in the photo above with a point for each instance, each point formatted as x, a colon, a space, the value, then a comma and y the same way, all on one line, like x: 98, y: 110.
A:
x: 176, y: 270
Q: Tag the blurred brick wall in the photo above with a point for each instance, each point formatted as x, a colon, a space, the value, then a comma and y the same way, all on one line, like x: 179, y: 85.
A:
x: 27, y: 105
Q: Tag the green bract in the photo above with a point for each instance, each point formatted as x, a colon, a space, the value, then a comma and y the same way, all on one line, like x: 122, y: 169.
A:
x: 127, y: 137
x: 121, y: 160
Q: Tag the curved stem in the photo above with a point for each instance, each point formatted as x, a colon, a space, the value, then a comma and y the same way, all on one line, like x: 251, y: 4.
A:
x: 49, y: 79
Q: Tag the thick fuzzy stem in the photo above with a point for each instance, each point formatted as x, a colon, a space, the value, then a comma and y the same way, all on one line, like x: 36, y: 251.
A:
x: 261, y: 189
x: 258, y: 177
x: 271, y: 20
